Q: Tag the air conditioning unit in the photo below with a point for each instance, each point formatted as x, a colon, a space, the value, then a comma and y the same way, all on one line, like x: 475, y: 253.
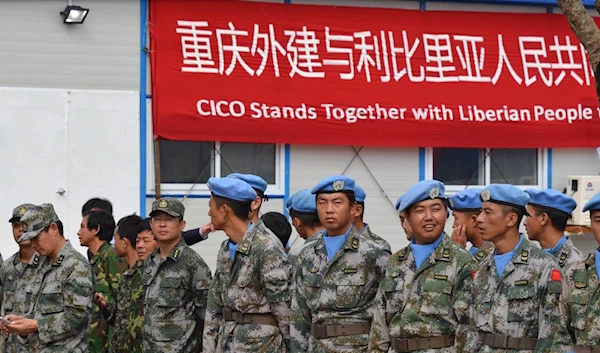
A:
x: 582, y: 188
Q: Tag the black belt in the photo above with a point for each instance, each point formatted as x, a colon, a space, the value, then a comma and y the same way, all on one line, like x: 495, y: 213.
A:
x: 328, y: 331
x: 242, y: 318
x: 500, y: 341
x: 416, y: 344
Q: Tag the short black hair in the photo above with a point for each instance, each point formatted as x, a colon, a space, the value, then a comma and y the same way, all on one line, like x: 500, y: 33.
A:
x: 310, y: 220
x: 97, y: 203
x: 240, y: 209
x: 128, y: 228
x: 279, y: 225
x: 557, y: 219
x: 506, y: 209
x: 103, y: 221
x: 60, y: 227
x: 144, y: 225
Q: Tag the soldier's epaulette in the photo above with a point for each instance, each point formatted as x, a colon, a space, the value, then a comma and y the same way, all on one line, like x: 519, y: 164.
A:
x: 36, y: 260
x: 445, y: 255
x: 525, y: 255
x: 60, y: 259
x: 354, y: 244
x: 402, y: 254
x: 563, y: 259
x: 176, y: 254
x: 480, y: 255
x: 244, y: 247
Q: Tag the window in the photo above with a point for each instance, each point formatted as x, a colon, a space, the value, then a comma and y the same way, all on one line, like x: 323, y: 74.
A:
x: 186, y: 166
x: 461, y: 167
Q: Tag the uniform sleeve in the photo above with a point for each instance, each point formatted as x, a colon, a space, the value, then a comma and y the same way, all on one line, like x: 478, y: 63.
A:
x: 193, y: 236
x: 379, y: 337
x: 213, y: 316
x: 300, y: 320
x: 553, y: 335
x: 202, y: 279
x: 77, y: 308
x: 274, y: 270
x: 567, y: 282
x: 108, y: 279
x: 467, y: 336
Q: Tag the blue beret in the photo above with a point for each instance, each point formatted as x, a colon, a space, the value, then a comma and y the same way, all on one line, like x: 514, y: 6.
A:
x: 553, y: 199
x: 423, y: 190
x: 231, y: 188
x: 255, y: 181
x: 399, y: 202
x: 465, y: 200
x: 290, y: 202
x: 336, y: 183
x: 593, y: 204
x: 359, y: 193
x: 505, y: 194
x: 304, y: 202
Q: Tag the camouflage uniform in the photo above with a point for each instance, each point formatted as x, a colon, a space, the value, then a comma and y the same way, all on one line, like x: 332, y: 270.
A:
x: 62, y: 306
x: 175, y: 300
x: 135, y: 316
x: 336, y: 292
x: 375, y: 238
x: 428, y: 302
x: 107, y: 268
x: 524, y: 303
x: 19, y: 288
x: 568, y: 254
x: 117, y: 314
x: 256, y: 282
x: 486, y: 251
x: 582, y: 302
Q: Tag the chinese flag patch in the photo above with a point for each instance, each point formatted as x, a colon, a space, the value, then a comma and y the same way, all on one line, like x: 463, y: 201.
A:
x: 473, y: 274
x: 556, y: 276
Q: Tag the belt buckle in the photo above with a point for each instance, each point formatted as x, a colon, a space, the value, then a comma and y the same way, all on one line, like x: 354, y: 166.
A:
x: 319, y: 331
x: 500, y: 341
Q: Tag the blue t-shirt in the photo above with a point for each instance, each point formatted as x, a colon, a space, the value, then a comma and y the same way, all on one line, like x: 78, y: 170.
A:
x: 473, y: 250
x: 597, y: 262
x: 422, y: 251
x: 558, y: 245
x: 233, y: 246
x: 333, y: 244
x: 503, y: 260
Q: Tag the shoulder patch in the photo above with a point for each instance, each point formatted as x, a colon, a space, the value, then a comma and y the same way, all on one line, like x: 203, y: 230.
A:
x: 525, y: 256
x: 60, y: 259
x: 402, y: 254
x: 563, y: 259
x: 354, y: 244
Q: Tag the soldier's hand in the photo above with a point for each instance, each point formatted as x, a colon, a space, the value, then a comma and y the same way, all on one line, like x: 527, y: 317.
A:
x: 99, y: 300
x: 207, y: 229
x: 21, y: 325
x: 459, y: 235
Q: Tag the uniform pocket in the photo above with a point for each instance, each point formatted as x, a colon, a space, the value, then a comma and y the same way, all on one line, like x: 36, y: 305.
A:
x: 393, y: 290
x: 312, y: 287
x: 171, y: 292
x: 349, y: 291
x: 578, y: 302
x: 51, y: 302
x: 437, y: 295
x: 521, y: 303
x: 166, y: 332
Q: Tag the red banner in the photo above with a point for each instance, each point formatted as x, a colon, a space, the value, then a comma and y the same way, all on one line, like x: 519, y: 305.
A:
x: 276, y: 73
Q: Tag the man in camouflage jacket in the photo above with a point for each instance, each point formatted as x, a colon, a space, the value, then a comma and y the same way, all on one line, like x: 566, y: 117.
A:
x: 335, y: 284
x: 18, y: 277
x: 424, y: 307
x: 60, y: 314
x: 176, y: 281
x: 248, y: 303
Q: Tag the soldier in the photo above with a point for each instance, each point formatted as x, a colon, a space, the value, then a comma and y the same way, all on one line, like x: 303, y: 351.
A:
x: 176, y: 281
x: 260, y: 187
x: 336, y: 277
x: 358, y: 214
x: 517, y: 289
x: 580, y: 290
x: 403, y: 220
x: 117, y: 314
x: 466, y: 206
x: 61, y: 309
x: 145, y: 245
x: 96, y: 233
x: 248, y: 304
x: 423, y: 301
x: 18, y: 274
x: 305, y: 219
x: 549, y: 211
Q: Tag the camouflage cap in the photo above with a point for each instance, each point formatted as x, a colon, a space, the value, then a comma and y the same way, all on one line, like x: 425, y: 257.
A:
x: 35, y: 220
x: 169, y: 206
x: 20, y: 211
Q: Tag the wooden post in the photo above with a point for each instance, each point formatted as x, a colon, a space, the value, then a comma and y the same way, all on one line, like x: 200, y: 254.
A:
x: 157, y: 168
